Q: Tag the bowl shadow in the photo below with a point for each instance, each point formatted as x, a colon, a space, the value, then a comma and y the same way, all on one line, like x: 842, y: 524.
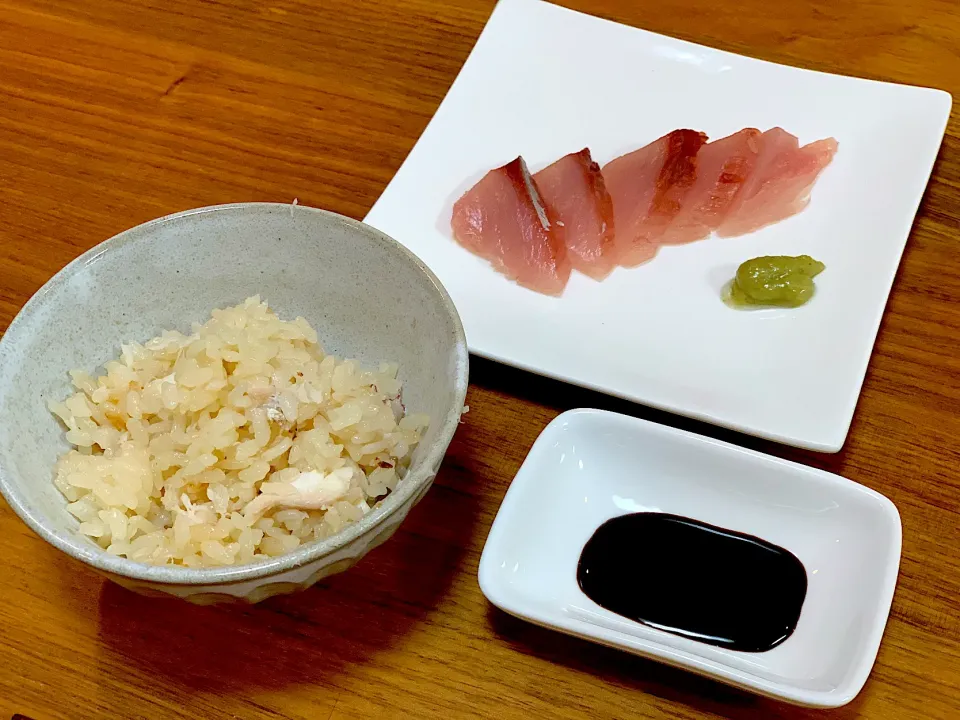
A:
x: 306, y: 637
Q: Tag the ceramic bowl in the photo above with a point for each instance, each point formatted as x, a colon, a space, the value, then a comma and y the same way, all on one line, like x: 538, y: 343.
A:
x: 367, y: 296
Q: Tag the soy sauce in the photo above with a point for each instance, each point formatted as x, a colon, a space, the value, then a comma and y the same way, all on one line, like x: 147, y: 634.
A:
x: 688, y: 578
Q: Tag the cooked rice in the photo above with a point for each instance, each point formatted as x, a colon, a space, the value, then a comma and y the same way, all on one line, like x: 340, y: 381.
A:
x: 181, y: 435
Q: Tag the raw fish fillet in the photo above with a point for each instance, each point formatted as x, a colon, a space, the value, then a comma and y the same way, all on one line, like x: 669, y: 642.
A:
x: 503, y: 220
x: 648, y: 187
x: 780, y: 183
x: 723, y: 167
x: 573, y: 188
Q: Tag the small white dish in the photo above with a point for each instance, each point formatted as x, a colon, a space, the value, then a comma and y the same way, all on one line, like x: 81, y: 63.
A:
x: 543, y: 81
x: 589, y: 466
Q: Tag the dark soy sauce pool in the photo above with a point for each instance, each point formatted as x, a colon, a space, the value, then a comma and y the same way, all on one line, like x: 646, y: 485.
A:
x: 696, y: 580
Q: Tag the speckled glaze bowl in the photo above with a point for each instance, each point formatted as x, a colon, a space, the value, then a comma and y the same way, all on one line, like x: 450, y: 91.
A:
x: 368, y: 297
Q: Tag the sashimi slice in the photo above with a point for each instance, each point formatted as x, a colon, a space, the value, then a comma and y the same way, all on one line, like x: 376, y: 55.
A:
x: 503, y: 220
x: 723, y: 167
x: 573, y: 188
x: 648, y: 187
x: 780, y: 184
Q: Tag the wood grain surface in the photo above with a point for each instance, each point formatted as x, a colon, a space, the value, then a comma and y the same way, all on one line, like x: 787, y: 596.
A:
x: 114, y: 112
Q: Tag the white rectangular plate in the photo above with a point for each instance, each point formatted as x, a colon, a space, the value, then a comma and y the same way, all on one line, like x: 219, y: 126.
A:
x: 589, y: 466
x: 543, y: 81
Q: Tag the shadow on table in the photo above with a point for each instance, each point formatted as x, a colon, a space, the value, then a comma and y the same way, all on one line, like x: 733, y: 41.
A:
x: 560, y: 396
x: 302, y: 638
x: 620, y: 669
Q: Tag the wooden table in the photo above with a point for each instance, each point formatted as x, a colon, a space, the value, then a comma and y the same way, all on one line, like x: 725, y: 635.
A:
x: 117, y: 111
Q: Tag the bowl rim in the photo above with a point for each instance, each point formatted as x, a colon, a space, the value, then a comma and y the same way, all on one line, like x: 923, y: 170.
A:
x: 419, y: 477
